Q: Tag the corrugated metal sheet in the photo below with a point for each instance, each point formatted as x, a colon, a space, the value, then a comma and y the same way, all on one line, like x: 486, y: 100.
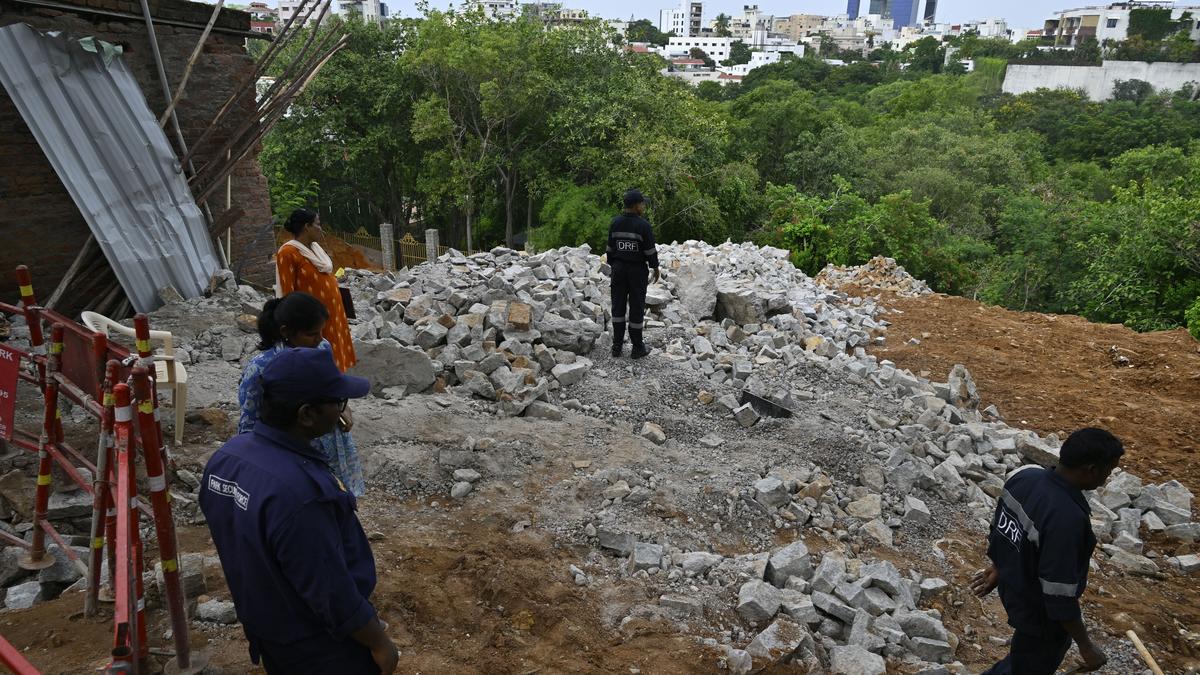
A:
x: 91, y: 120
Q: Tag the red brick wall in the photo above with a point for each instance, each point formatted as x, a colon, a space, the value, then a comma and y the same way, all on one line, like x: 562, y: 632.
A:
x: 39, y: 223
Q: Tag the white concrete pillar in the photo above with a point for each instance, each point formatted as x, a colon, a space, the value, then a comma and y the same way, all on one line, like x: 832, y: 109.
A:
x: 431, y: 245
x: 387, y: 243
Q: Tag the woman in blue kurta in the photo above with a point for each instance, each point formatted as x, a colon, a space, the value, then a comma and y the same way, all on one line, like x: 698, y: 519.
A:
x: 296, y: 320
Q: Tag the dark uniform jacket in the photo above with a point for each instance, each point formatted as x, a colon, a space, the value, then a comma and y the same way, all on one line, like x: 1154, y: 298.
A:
x: 295, y: 556
x: 631, y: 241
x: 1041, y: 542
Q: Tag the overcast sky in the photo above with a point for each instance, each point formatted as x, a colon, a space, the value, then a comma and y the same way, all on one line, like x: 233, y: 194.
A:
x: 1019, y: 13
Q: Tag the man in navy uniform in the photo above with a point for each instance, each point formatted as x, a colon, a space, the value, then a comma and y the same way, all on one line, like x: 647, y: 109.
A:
x: 631, y: 255
x: 1041, y: 544
x: 294, y: 554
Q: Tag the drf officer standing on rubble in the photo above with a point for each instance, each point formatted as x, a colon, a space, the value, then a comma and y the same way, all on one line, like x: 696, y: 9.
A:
x: 1041, y: 544
x: 631, y: 255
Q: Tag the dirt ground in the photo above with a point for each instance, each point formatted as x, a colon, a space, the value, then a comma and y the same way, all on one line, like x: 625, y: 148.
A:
x: 1054, y: 374
x: 464, y: 593
x: 461, y: 595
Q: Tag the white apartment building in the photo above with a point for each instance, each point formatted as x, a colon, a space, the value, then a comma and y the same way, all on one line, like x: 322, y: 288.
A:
x: 685, y: 20
x: 756, y: 59
x: 718, y: 49
x: 368, y: 10
x: 496, y: 9
x: 861, y: 34
x: 1111, y: 22
x: 288, y: 8
x: 993, y: 27
x: 744, y: 26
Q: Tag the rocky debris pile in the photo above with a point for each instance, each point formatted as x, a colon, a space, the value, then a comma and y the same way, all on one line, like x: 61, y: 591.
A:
x: 1125, y: 508
x: 70, y: 510
x: 500, y: 326
x: 513, y: 329
x: 820, y: 612
x: 879, y: 273
x: 198, y: 337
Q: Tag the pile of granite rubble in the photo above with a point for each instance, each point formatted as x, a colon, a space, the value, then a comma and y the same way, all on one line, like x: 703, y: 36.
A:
x: 513, y: 332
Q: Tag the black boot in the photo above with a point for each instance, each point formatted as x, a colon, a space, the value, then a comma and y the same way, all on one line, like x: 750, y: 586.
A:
x: 618, y: 339
x: 639, y: 348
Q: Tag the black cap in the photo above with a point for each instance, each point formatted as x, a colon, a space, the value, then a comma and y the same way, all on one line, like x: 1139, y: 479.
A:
x: 633, y: 198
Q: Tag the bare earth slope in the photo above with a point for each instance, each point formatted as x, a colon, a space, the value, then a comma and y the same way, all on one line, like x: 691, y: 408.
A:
x: 1055, y: 373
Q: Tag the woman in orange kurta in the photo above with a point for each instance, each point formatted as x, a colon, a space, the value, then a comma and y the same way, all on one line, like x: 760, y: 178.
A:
x: 302, y: 265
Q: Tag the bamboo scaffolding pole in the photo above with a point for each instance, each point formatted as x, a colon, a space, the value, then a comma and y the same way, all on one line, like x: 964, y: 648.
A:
x: 284, y: 37
x: 77, y: 265
x: 1143, y: 652
x: 187, y: 71
x: 267, y: 124
x: 265, y: 111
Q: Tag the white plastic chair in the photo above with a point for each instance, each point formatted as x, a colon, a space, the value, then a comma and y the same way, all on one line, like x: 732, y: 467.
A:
x: 167, y: 373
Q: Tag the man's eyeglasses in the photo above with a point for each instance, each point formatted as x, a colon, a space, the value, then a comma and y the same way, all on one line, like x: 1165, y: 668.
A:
x: 340, y: 403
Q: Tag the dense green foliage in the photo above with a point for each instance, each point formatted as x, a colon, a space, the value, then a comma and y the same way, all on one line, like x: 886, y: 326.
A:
x: 503, y: 131
x: 644, y: 31
x: 739, y: 53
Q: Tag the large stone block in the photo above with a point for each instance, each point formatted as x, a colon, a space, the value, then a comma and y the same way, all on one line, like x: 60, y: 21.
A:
x: 778, y: 642
x: 740, y: 303
x: 792, y: 560
x: 854, y: 660
x: 696, y: 287
x: 758, y: 601
x: 387, y: 364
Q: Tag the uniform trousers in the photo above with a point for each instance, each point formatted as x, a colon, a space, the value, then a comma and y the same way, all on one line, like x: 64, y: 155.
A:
x: 628, y: 292
x: 1039, y: 653
x: 317, y: 655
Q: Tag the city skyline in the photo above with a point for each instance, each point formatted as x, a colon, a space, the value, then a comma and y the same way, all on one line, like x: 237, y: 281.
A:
x: 1019, y: 14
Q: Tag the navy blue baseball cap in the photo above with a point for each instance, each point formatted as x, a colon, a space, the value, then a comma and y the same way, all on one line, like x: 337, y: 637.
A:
x: 302, y: 375
x: 633, y: 198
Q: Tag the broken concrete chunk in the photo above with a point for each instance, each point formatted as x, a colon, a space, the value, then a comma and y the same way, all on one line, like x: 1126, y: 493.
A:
x: 572, y: 373
x: 543, y: 410
x: 746, y: 416
x: 854, y: 660
x: 829, y: 573
x: 620, y: 543
x: 387, y: 364
x: 832, y: 606
x: 771, y: 492
x: 758, y: 601
x: 1131, y: 563
x: 698, y: 563
x: 778, y: 642
x: 1186, y: 564
x: 792, y: 560
x: 645, y: 556
x: 217, y: 611
x: 653, y: 433
x: 867, y: 508
x: 684, y: 604
x: 930, y: 649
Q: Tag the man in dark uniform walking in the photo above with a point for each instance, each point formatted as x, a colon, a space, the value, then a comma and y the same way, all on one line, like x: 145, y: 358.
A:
x: 1041, y: 544
x: 631, y: 255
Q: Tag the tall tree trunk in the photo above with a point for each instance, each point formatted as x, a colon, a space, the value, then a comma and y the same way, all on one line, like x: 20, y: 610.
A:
x: 528, y: 216
x: 470, y: 243
x: 510, y: 189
